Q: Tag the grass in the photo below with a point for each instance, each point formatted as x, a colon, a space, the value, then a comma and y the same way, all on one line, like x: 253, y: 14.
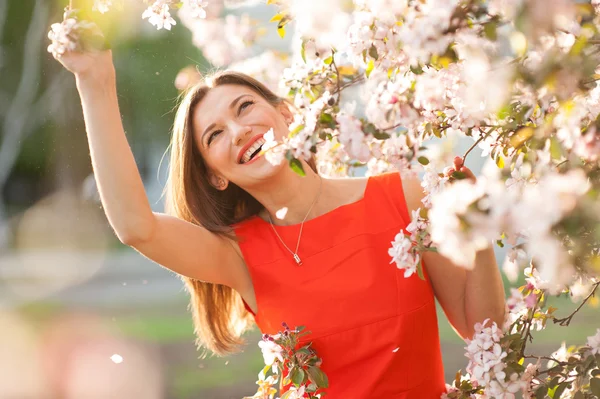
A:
x: 157, y: 328
x: 583, y: 324
x: 188, y: 375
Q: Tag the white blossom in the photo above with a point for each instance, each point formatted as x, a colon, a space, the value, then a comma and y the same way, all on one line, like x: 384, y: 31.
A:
x: 158, y: 15
x: 270, y: 351
x: 401, y: 253
x: 63, y: 37
x: 594, y: 343
x: 196, y: 8
x: 352, y: 137
x: 102, y: 6
x: 274, y: 150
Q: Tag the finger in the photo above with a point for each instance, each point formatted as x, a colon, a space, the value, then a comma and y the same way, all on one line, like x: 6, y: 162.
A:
x: 458, y: 163
x: 468, y: 172
x: 448, y: 170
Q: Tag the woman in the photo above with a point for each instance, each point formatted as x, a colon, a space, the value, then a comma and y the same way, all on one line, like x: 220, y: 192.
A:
x: 323, y: 265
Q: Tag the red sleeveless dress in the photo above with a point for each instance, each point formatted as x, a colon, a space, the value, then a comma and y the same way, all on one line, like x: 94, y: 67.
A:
x: 375, y: 330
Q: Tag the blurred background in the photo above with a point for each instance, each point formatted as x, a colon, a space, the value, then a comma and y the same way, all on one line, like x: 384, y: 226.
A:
x: 81, y: 315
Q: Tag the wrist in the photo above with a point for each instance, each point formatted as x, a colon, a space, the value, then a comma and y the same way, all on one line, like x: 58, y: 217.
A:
x: 96, y: 79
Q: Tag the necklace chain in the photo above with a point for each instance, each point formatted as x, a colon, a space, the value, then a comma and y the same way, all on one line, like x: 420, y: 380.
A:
x: 295, y: 253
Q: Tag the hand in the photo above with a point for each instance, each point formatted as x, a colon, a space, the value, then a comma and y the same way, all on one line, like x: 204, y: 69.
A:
x: 463, y: 171
x: 93, y: 59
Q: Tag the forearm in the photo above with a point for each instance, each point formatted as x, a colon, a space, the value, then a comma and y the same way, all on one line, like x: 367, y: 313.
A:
x: 484, y: 291
x: 119, y: 183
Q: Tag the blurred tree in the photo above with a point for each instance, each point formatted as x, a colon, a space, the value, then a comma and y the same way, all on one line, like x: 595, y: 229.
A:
x: 43, y: 146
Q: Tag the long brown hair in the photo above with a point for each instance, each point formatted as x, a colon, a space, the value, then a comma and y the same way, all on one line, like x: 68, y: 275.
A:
x: 218, y: 313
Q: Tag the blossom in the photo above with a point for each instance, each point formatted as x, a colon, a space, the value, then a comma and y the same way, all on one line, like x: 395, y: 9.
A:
x: 454, y: 224
x: 270, y: 351
x: 352, y: 137
x: 274, y: 151
x: 63, y: 36
x: 102, y: 6
x: 196, y: 8
x: 295, y: 393
x: 401, y: 253
x: 594, y: 343
x: 326, y: 22
x: 432, y: 184
x: 158, y: 15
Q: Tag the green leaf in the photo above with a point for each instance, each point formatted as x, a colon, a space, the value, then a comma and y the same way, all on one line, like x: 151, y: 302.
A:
x: 490, y: 30
x: 297, y: 376
x: 380, y: 135
x: 296, y: 166
x: 373, y: 52
x: 420, y: 270
x: 500, y: 162
x: 281, y: 31
x: 318, y: 377
x: 423, y: 160
x: 328, y: 60
x: 459, y: 175
x: 521, y: 136
x: 417, y: 70
x: 595, y: 386
x: 296, y: 130
x: 303, y: 51
x: 555, y: 148
x: 541, y: 392
x: 560, y: 389
x: 264, y: 371
x: 370, y: 67
x: 276, y: 17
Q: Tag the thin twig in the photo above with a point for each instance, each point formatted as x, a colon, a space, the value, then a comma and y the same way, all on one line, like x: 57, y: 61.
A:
x: 352, y: 82
x: 561, y: 163
x: 392, y: 127
x: 337, y: 72
x: 528, y: 330
x: 475, y: 145
x: 566, y: 320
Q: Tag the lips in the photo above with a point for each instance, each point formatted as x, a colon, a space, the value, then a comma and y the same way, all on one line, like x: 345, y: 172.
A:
x: 246, y: 146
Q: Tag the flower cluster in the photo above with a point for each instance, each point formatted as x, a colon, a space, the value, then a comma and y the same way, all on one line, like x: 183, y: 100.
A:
x: 486, y: 362
x: 73, y: 34
x: 293, y: 365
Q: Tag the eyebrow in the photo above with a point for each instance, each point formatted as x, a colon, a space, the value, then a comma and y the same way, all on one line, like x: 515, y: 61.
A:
x: 231, y: 106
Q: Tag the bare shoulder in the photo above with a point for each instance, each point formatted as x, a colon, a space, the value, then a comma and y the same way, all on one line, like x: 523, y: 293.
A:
x: 413, y: 191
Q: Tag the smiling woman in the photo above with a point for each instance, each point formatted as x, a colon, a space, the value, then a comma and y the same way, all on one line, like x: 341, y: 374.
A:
x: 323, y: 263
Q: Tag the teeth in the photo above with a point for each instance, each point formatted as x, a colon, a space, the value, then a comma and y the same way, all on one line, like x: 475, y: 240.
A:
x: 257, y: 144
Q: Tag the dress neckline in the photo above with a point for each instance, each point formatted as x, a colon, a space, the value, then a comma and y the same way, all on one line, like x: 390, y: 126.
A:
x: 325, y: 215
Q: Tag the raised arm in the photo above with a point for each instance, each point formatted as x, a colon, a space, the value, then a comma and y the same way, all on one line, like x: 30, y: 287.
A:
x: 183, y: 247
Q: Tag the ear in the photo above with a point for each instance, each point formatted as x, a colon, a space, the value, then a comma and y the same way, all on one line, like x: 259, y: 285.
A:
x: 284, y: 109
x: 218, y: 182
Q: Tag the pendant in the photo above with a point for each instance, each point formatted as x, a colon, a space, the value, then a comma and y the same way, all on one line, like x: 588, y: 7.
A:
x: 297, y: 259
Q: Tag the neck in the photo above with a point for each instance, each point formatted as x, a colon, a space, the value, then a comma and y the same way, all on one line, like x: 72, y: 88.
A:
x: 291, y: 191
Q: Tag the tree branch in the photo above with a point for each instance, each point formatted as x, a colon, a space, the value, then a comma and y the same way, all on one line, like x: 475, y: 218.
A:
x: 566, y: 320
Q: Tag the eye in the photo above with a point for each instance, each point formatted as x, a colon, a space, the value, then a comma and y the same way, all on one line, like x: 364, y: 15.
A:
x: 245, y: 105
x: 212, y: 136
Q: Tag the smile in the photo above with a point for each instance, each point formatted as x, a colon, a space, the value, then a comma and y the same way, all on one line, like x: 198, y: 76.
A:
x: 252, y: 151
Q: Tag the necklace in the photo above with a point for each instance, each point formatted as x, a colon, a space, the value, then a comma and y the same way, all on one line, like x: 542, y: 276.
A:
x: 295, y: 253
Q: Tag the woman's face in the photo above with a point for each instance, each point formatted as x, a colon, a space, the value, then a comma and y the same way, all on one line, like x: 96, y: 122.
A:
x: 229, y: 124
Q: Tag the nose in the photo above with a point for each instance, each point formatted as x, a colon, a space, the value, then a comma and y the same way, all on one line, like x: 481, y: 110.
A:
x: 240, y: 134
